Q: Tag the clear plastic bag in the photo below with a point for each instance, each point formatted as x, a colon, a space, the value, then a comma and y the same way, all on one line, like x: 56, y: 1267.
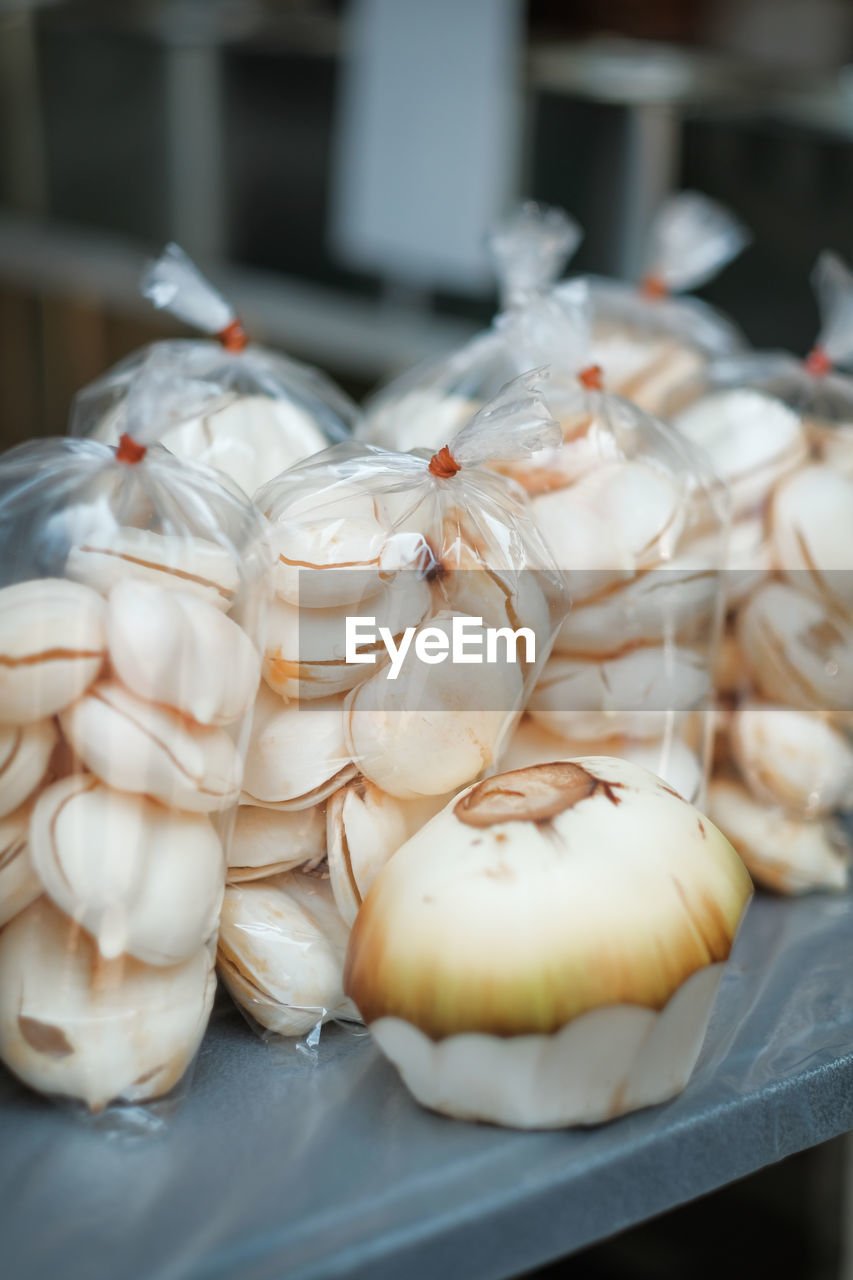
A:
x: 637, y: 519
x: 648, y: 340
x: 133, y: 591
x: 631, y: 669
x: 780, y: 431
x: 393, y: 573
x: 425, y: 406
x: 252, y: 412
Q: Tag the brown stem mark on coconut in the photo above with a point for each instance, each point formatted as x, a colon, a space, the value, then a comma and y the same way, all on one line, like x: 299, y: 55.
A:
x: 48, y: 655
x: 535, y: 794
x: 429, y: 565
x: 13, y: 851
x: 44, y: 1037
x: 148, y: 1075
x: 670, y: 791
x: 821, y: 638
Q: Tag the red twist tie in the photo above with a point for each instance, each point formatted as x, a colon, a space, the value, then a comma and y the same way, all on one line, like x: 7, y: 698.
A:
x: 443, y: 464
x: 818, y: 363
x: 130, y: 450
x: 653, y: 287
x: 233, y: 337
x: 592, y: 377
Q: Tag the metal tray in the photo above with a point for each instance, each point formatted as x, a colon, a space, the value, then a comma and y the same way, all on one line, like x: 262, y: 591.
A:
x: 275, y: 1166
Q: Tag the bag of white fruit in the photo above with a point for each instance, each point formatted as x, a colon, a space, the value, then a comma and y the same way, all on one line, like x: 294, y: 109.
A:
x: 254, y: 412
x: 648, y: 336
x: 133, y: 590
x: 415, y: 605
x: 780, y: 431
x: 426, y: 405
x: 636, y: 518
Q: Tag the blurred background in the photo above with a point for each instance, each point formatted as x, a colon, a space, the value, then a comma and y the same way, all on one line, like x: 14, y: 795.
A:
x: 335, y: 166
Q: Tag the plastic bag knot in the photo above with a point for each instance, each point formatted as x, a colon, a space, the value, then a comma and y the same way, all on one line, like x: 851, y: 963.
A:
x: 817, y: 362
x: 592, y: 377
x: 130, y: 450
x: 233, y: 337
x: 443, y: 464
x: 654, y: 287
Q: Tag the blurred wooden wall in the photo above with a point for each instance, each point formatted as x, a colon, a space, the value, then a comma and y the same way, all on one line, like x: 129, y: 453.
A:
x: 50, y: 346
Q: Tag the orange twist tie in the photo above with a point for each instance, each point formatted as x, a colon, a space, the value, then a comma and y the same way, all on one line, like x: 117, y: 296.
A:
x: 817, y: 362
x: 652, y: 286
x: 443, y: 464
x: 233, y: 337
x: 130, y: 450
x: 592, y: 377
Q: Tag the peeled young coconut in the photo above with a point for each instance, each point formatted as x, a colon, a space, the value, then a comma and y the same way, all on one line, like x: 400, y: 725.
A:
x: 790, y: 855
x: 296, y: 755
x: 250, y: 438
x: 76, y: 1025
x: 267, y: 841
x: 812, y: 522
x: 646, y: 369
x: 640, y: 693
x: 798, y: 652
x: 19, y: 883
x: 795, y: 759
x: 546, y: 951
x: 752, y: 440
x: 365, y: 827
x: 281, y: 952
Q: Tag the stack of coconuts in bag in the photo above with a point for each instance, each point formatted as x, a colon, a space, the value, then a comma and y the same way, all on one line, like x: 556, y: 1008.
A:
x: 475, y: 636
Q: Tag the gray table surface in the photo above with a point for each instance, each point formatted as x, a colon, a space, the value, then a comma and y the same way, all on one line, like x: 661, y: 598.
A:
x: 277, y: 1167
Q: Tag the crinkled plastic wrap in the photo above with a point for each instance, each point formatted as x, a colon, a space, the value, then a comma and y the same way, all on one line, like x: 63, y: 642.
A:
x: 636, y: 518
x: 133, y: 589
x: 648, y: 340
x: 391, y: 570
x: 780, y: 431
x: 240, y: 407
x: 425, y: 406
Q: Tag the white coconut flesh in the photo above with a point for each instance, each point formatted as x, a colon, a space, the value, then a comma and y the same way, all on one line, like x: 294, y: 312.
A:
x: 782, y: 852
x: 751, y: 439
x: 267, y: 841
x: 812, y: 523
x: 799, y: 653
x: 281, y: 952
x: 428, y: 735
x: 795, y: 759
x: 665, y: 601
x: 180, y: 563
x: 306, y: 649
x: 250, y: 438
x: 640, y: 694
x: 79, y: 1026
x: 296, y: 755
x: 577, y: 895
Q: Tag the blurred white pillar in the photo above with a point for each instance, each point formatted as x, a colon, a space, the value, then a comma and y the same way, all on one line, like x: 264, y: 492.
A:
x: 652, y: 163
x: 22, y: 162
x: 194, y: 114
x: 427, y: 137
